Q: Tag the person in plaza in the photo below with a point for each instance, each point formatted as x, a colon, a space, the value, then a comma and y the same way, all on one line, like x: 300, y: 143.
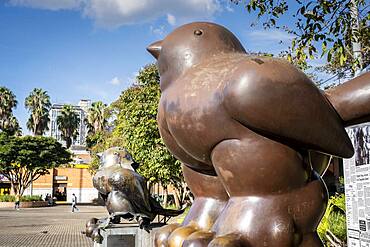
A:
x: 49, y: 199
x: 74, y: 203
x: 17, y: 202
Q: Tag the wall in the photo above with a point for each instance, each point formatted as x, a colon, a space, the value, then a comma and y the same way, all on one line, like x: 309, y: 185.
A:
x: 77, y: 180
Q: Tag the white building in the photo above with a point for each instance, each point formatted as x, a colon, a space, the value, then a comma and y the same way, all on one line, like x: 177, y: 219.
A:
x: 81, y: 109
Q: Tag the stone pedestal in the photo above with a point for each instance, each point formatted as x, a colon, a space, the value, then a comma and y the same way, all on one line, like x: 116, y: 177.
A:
x: 128, y: 235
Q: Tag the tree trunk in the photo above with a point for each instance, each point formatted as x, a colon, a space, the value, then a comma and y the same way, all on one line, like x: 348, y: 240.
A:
x: 177, y: 199
x: 13, y: 189
x: 68, y: 142
x: 165, y: 197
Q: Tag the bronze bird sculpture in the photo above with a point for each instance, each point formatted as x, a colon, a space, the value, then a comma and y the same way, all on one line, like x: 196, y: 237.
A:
x: 124, y: 192
x: 254, y: 135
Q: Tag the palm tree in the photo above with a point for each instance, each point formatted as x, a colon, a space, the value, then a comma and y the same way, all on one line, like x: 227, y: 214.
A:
x: 11, y: 126
x: 38, y: 103
x: 7, y: 103
x: 68, y: 122
x: 8, y: 123
x: 96, y: 117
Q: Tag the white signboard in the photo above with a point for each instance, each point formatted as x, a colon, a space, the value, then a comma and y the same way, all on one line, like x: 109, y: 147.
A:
x: 357, y: 187
x: 60, y: 178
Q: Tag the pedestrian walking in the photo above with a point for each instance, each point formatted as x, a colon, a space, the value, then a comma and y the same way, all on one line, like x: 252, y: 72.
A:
x: 17, y: 202
x: 74, y: 203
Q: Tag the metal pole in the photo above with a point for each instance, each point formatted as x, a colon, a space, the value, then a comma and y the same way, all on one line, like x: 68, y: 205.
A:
x: 356, y: 44
x: 31, y: 185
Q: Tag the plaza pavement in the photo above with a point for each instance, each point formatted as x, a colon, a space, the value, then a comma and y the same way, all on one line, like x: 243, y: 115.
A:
x: 46, y: 227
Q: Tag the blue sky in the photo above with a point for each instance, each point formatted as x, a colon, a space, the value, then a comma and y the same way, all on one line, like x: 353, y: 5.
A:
x: 83, y: 49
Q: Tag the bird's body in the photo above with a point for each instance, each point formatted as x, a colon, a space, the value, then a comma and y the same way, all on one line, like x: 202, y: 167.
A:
x: 216, y: 102
x: 256, y: 127
x: 125, y: 191
x: 194, y: 111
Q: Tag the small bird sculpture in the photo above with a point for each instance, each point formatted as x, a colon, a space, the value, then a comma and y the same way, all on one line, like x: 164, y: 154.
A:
x: 254, y: 134
x: 124, y: 192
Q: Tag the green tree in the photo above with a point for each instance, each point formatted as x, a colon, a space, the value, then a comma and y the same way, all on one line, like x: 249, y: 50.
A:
x: 38, y: 103
x: 8, y: 123
x: 7, y: 102
x: 320, y: 28
x: 97, y: 117
x: 332, y: 228
x: 68, y: 122
x: 25, y: 159
x: 11, y: 126
x: 137, y: 126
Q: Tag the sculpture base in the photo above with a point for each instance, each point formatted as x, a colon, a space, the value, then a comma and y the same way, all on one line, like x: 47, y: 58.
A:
x: 129, y: 235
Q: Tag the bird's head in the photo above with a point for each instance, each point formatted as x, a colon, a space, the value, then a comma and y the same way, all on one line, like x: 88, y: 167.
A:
x: 117, y: 157
x: 190, y: 44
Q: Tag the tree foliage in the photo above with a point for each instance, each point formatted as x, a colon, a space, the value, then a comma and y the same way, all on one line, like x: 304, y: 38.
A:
x: 136, y: 129
x: 97, y: 116
x: 25, y: 159
x: 137, y: 124
x: 8, y: 122
x: 7, y: 102
x: 38, y: 103
x: 68, y: 122
x: 332, y: 229
x: 324, y: 28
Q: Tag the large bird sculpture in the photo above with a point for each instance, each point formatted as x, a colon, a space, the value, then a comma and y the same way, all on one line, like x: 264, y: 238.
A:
x: 254, y: 134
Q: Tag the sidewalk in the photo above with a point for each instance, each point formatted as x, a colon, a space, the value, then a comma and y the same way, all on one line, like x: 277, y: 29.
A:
x: 47, y: 227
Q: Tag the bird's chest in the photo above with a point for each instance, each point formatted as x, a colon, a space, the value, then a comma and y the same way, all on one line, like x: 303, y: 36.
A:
x: 193, y: 114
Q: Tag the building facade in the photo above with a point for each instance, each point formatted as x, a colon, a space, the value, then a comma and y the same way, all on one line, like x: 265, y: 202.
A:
x: 4, y: 185
x: 81, y: 110
x: 62, y: 182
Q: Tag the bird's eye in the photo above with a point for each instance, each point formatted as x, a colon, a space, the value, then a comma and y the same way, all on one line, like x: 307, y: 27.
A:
x: 198, y: 32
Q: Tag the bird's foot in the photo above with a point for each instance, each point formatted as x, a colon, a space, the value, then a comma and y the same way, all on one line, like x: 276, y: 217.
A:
x: 104, y: 222
x: 144, y: 222
x: 93, y: 227
x: 229, y: 240
x: 175, y: 235
x: 198, y: 239
x: 199, y: 220
x: 91, y: 224
x: 162, y: 235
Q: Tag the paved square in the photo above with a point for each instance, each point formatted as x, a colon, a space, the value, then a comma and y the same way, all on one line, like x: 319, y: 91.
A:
x: 46, y: 227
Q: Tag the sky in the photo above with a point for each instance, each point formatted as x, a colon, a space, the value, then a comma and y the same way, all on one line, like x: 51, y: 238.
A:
x: 92, y: 49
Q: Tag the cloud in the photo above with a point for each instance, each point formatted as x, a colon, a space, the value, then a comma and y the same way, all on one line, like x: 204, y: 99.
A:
x: 116, y: 13
x: 132, y: 79
x: 48, y: 4
x: 270, y: 35
x: 272, y: 41
x: 158, y: 31
x: 115, y: 81
x: 171, y: 19
x: 228, y: 7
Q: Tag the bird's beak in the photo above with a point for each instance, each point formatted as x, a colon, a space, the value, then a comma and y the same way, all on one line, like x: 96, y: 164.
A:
x: 155, y: 48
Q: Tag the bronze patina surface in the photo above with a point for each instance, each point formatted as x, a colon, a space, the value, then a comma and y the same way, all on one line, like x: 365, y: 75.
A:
x: 124, y: 192
x: 254, y: 134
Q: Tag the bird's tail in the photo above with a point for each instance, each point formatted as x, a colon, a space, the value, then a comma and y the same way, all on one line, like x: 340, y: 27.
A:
x: 158, y: 209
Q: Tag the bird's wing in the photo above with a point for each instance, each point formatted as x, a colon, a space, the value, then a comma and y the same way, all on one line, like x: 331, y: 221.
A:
x: 142, y: 194
x: 278, y: 101
x: 133, y: 186
x: 352, y: 99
